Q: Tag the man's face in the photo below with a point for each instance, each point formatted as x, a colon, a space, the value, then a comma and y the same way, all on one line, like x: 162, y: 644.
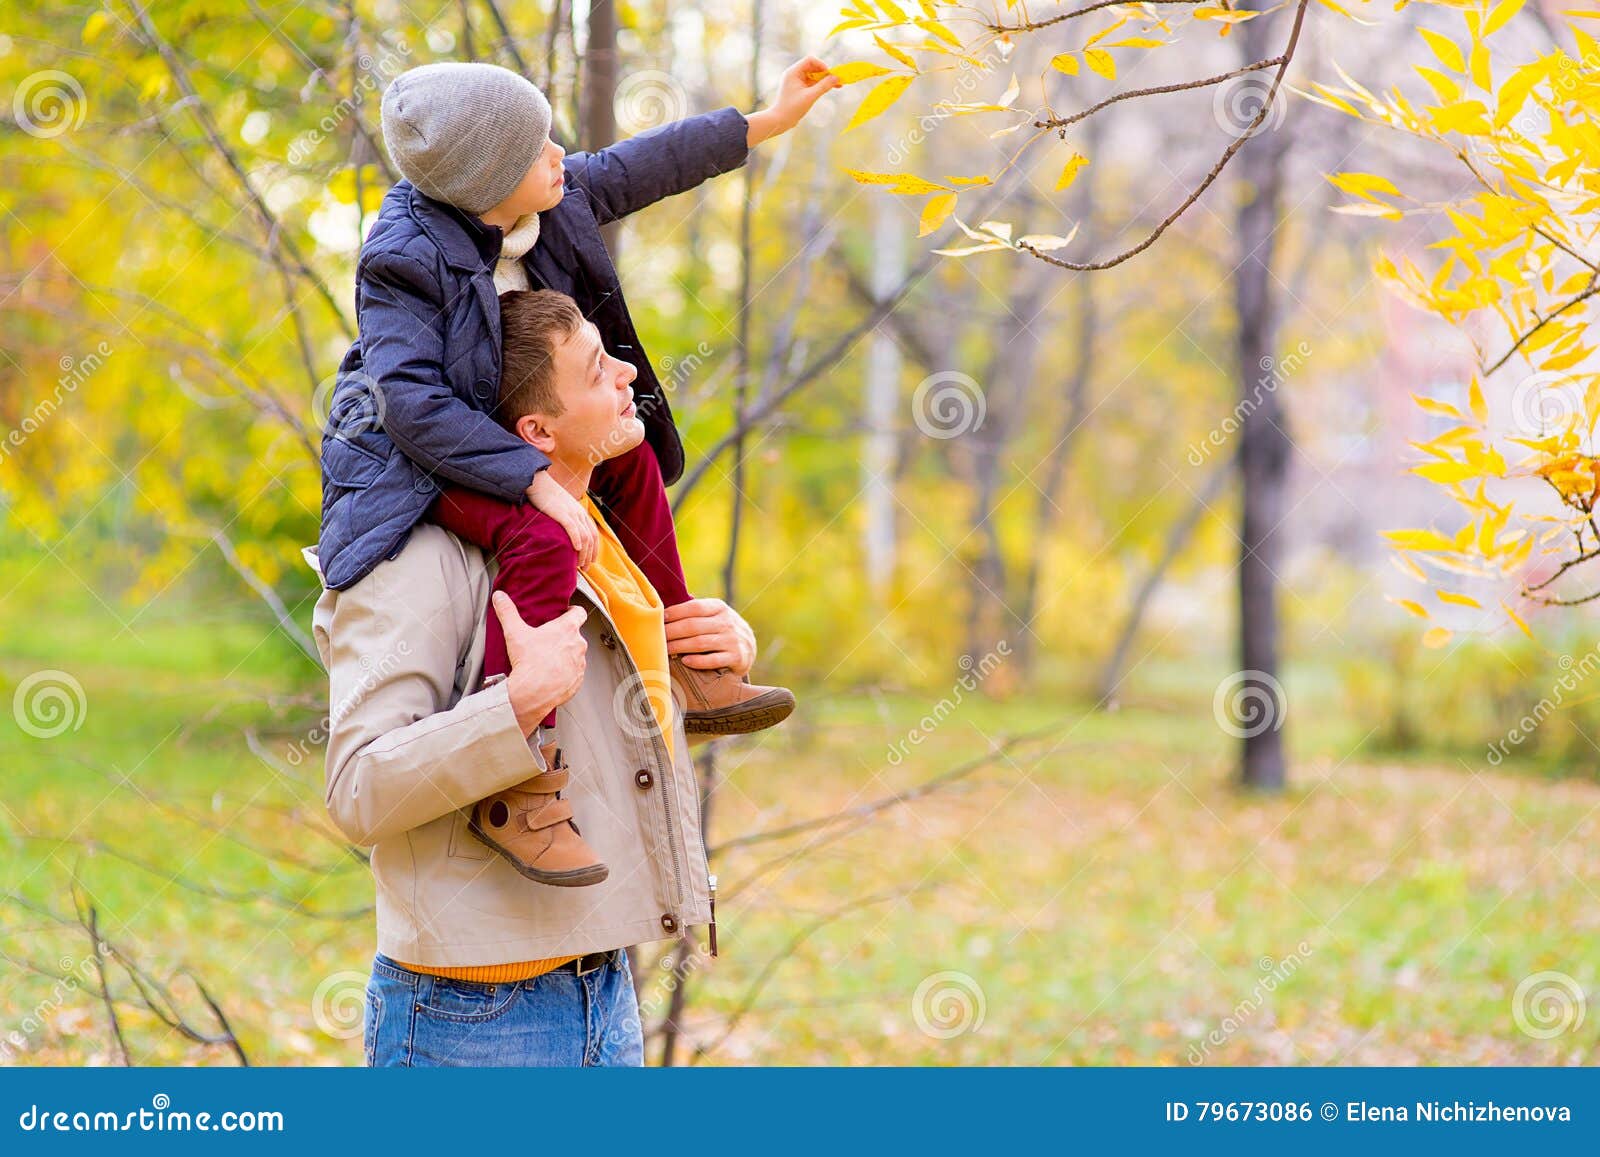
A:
x: 542, y: 188
x: 598, y: 419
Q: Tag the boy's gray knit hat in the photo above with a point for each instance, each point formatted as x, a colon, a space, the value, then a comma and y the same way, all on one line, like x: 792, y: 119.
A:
x: 465, y: 134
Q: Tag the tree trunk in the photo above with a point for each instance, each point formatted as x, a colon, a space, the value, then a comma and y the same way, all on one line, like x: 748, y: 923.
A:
x: 1264, y: 445
x: 1008, y: 384
x: 600, y: 92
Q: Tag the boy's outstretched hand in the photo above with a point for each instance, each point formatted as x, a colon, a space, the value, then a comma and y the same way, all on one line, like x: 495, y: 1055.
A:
x: 551, y: 497
x: 802, y: 86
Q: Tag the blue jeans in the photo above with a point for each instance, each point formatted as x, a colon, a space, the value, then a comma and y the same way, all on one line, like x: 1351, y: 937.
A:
x: 558, y: 1019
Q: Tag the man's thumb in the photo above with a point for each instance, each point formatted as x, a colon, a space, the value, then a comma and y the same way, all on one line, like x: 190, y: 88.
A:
x: 506, y: 611
x: 577, y: 615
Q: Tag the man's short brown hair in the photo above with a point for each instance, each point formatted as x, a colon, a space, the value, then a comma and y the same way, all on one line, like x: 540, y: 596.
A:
x: 532, y: 324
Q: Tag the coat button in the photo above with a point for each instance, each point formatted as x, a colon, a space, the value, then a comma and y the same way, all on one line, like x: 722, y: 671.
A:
x: 644, y: 779
x: 484, y: 389
x: 424, y: 485
x: 669, y: 922
x: 608, y: 641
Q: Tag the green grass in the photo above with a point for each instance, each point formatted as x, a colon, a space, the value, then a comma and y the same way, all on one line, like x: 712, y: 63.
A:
x: 1104, y: 894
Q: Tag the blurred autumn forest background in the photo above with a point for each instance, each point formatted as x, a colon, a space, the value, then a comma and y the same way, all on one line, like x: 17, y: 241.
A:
x: 1048, y: 396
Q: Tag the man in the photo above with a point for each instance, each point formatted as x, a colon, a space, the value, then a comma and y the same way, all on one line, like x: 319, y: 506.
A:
x: 476, y: 965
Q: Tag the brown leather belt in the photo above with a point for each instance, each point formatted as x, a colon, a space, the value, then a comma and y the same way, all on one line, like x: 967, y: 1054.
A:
x: 591, y: 962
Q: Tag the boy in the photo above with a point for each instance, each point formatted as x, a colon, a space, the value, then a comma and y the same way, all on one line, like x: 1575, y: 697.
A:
x: 411, y: 408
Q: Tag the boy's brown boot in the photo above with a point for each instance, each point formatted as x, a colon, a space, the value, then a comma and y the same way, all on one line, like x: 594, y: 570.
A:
x: 718, y: 702
x: 531, y: 826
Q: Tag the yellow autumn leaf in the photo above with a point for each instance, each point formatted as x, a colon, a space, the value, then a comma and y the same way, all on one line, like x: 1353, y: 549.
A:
x: 1567, y: 360
x: 95, y: 25
x: 968, y: 250
x: 1447, y: 50
x: 1436, y: 637
x: 1517, y: 619
x: 857, y: 71
x: 1446, y: 90
x: 1434, y: 405
x: 1458, y: 599
x: 1065, y: 62
x: 935, y: 212
x: 1044, y: 242
x: 1499, y: 15
x: 883, y: 95
x: 902, y: 183
x: 1362, y: 185
x: 1446, y: 472
x: 1101, y: 61
x: 895, y: 51
x: 1419, y: 540
x: 1415, y: 608
x: 939, y: 30
x: 1465, y: 116
x: 1069, y: 174
x: 1478, y: 65
x: 1475, y: 401
x: 1408, y: 568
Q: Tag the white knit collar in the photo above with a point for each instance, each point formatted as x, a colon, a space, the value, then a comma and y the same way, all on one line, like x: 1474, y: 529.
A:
x: 520, y: 238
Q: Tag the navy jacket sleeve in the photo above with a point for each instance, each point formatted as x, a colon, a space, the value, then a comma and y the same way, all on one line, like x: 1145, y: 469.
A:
x: 401, y: 318
x: 674, y: 158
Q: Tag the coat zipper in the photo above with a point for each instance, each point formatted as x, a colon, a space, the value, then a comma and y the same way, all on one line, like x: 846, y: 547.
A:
x: 660, y: 748
x: 711, y: 880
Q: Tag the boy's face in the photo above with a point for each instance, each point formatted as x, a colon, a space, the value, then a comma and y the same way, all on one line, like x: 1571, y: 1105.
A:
x: 598, y: 418
x: 543, y: 187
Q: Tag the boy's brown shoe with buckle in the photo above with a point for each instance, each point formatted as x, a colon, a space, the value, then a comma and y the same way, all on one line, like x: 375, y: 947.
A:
x: 718, y: 702
x: 531, y: 826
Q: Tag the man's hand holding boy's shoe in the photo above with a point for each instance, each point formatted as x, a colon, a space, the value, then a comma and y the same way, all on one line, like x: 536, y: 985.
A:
x: 547, y: 662
x: 711, y: 650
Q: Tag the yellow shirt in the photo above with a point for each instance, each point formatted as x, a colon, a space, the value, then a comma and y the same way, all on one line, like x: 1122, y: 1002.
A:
x: 635, y: 608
